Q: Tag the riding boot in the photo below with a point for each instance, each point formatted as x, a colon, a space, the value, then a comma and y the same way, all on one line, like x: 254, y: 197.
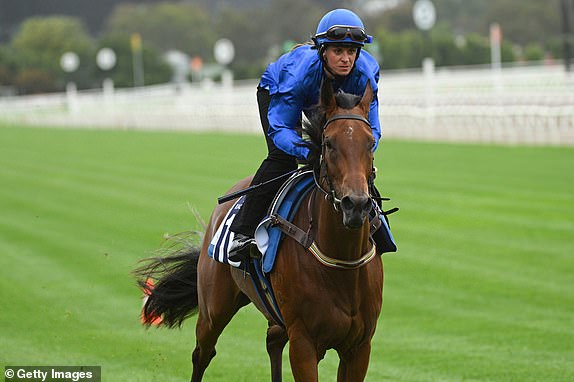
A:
x: 242, y: 248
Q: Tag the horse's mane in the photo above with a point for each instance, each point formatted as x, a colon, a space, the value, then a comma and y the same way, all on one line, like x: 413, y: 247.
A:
x: 315, y: 122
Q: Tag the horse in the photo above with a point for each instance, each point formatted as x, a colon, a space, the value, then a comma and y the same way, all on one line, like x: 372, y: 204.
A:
x: 329, y: 299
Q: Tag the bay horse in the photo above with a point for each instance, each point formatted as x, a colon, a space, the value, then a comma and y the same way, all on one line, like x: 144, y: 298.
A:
x: 329, y: 299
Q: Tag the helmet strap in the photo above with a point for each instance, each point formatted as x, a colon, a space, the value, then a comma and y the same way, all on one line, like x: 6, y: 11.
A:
x: 316, y: 42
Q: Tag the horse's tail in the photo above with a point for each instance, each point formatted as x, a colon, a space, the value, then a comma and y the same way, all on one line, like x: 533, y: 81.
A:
x: 170, y: 284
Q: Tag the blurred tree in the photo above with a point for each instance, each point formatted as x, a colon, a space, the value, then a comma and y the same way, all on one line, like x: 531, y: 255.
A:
x: 476, y: 50
x: 401, y: 50
x: 8, y: 66
x: 294, y: 20
x: 182, y: 26
x: 260, y: 31
x: 39, y: 45
x: 533, y: 52
x: 395, y: 20
x: 250, y: 45
x: 444, y: 49
x: 555, y: 47
x: 156, y: 70
x: 33, y: 81
x: 463, y: 16
x: 281, y: 23
x: 526, y: 21
x: 507, y: 52
x: 522, y: 21
x: 407, y: 49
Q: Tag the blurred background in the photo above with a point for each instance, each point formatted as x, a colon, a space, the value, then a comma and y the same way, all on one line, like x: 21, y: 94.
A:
x: 34, y: 34
x: 448, y: 66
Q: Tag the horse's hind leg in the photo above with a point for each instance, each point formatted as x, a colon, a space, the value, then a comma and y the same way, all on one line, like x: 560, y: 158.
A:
x: 276, y: 340
x: 219, y: 300
x: 204, y: 350
x: 206, y: 338
x: 207, y: 331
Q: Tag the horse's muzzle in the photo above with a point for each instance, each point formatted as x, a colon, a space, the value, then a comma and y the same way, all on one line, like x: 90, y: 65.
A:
x: 355, y: 209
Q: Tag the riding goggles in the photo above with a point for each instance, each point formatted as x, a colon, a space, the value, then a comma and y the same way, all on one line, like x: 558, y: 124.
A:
x: 339, y: 32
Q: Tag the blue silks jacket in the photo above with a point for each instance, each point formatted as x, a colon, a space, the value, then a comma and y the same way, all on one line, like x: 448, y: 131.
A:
x: 294, y: 82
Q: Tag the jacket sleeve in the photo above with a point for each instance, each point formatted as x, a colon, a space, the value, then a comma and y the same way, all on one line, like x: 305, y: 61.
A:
x: 374, y: 110
x: 284, y: 113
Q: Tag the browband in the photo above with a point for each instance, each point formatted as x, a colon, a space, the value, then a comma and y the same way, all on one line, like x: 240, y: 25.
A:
x: 346, y: 116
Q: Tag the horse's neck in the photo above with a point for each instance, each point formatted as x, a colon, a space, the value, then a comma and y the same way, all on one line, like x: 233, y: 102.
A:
x: 333, y: 238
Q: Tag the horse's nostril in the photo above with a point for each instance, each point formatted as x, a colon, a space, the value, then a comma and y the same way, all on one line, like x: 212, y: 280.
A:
x: 356, y: 203
x: 347, y: 203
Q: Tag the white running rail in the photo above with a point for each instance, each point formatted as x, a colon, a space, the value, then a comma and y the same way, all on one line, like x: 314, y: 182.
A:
x: 523, y: 105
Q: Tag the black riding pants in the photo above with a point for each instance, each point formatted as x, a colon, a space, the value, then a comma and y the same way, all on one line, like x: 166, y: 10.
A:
x: 277, y: 163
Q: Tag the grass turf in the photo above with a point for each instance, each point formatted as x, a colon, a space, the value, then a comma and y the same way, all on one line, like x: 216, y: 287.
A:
x: 481, y: 289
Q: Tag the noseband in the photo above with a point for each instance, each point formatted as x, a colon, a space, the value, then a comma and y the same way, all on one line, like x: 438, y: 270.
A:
x: 330, y: 194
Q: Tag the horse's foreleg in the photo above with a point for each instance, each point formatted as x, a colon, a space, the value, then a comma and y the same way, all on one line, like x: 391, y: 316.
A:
x: 353, y: 367
x: 276, y: 340
x: 303, y: 357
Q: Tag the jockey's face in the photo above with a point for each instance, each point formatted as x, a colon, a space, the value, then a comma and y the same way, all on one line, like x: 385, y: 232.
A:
x: 340, y: 59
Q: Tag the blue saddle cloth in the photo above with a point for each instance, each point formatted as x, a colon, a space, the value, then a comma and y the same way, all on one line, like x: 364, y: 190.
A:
x: 286, y: 204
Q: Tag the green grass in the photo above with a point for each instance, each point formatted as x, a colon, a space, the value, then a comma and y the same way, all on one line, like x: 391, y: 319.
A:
x: 482, y: 288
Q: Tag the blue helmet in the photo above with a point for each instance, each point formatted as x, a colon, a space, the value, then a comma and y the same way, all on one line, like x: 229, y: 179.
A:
x: 341, y: 26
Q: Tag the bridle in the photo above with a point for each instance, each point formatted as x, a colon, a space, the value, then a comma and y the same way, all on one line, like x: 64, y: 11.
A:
x: 330, y: 194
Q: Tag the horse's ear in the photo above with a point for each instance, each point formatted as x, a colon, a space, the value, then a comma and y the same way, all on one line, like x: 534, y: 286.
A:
x: 327, y: 96
x: 365, y: 103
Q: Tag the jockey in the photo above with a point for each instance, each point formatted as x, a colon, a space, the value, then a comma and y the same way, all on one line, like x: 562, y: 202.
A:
x: 289, y: 87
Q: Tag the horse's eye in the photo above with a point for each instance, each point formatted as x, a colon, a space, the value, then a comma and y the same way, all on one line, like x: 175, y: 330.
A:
x: 328, y: 144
